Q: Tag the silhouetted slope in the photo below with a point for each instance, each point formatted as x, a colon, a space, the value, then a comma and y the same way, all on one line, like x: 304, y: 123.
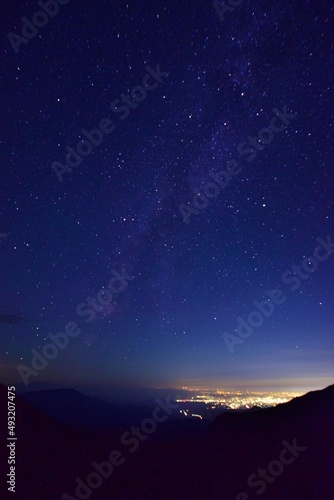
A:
x: 49, y: 454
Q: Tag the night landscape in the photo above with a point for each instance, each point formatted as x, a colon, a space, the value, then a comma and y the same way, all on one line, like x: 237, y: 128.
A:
x: 167, y: 250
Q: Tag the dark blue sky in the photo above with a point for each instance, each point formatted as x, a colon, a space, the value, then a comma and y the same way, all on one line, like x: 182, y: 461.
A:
x: 119, y: 209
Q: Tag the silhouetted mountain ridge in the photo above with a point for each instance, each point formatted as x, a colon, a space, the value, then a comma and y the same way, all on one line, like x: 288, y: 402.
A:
x: 76, y: 409
x: 201, y: 464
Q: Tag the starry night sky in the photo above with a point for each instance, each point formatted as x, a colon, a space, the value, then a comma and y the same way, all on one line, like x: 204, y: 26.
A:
x: 120, y: 208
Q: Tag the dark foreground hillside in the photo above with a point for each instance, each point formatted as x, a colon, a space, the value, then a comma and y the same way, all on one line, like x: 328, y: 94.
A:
x: 286, y: 452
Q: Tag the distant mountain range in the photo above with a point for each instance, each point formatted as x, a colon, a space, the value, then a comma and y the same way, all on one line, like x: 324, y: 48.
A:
x: 73, y: 408
x: 240, y: 456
